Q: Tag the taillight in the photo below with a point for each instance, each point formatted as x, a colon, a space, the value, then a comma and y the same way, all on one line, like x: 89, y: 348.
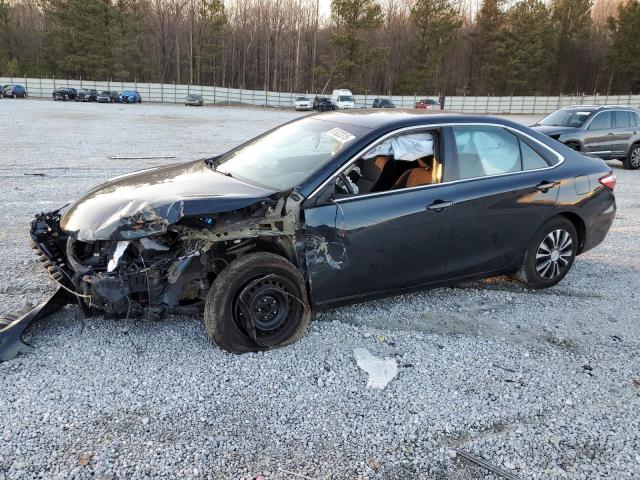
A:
x: 609, y: 181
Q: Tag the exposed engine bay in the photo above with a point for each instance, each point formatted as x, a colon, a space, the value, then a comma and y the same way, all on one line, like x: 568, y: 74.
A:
x: 168, y: 272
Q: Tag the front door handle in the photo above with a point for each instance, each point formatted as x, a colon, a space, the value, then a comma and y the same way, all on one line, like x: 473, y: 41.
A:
x: 439, y: 205
x: 546, y: 186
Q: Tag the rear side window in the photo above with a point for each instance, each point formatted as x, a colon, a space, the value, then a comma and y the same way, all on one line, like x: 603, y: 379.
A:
x: 636, y: 118
x: 484, y: 151
x: 602, y: 121
x: 621, y: 119
x: 531, y: 160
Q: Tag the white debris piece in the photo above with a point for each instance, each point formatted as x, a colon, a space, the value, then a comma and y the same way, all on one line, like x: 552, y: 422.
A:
x: 113, y: 263
x: 150, y: 244
x: 381, y: 372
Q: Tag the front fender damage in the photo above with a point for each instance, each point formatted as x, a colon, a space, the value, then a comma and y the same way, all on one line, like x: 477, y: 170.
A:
x: 149, y: 264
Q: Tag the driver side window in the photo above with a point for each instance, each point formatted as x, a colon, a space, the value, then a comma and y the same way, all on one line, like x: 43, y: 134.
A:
x: 403, y: 161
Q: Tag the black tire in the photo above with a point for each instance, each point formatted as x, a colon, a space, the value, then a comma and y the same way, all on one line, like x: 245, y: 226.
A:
x: 557, y: 235
x: 632, y: 162
x: 237, y: 295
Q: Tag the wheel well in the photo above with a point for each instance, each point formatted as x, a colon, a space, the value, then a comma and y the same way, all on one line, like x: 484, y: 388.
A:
x: 580, y: 226
x: 278, y: 245
x: 574, y: 145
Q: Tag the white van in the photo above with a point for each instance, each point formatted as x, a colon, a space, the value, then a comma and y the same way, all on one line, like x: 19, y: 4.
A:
x: 343, y: 98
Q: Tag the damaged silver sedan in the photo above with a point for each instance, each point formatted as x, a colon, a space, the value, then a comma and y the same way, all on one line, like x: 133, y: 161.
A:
x: 329, y: 209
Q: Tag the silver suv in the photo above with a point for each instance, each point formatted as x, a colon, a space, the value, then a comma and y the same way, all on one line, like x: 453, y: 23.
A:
x: 608, y: 132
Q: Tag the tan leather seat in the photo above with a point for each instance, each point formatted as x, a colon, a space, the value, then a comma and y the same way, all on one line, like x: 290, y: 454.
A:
x: 423, y: 175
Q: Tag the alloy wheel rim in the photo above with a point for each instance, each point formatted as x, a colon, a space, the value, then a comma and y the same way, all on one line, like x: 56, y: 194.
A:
x: 635, y: 157
x: 554, y: 254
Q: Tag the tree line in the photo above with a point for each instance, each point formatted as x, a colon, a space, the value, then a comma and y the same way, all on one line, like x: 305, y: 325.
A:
x: 452, y: 47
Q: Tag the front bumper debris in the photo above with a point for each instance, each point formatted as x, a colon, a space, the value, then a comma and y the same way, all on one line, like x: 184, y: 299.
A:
x: 14, y: 324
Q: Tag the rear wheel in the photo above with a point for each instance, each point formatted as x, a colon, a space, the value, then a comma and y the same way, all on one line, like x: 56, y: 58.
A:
x: 256, y: 303
x: 632, y: 162
x: 550, y: 254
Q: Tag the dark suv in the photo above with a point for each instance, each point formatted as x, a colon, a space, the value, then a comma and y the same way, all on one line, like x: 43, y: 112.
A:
x: 87, y: 95
x: 323, y: 104
x: 64, y: 94
x: 608, y: 132
x: 13, y: 91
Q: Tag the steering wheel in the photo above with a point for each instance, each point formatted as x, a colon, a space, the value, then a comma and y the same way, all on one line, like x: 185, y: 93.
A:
x: 346, y: 184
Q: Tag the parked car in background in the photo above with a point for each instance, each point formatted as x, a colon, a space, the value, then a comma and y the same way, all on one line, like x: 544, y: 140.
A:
x: 65, y: 94
x: 86, y: 95
x: 107, y: 96
x: 194, y: 100
x: 383, y: 103
x: 323, y: 104
x: 428, y: 103
x: 607, y: 132
x: 390, y: 203
x: 343, y: 98
x: 302, y: 103
x: 14, y: 91
x: 130, y: 96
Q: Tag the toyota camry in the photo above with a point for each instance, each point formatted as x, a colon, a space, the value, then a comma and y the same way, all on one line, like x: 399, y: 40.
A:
x: 330, y: 209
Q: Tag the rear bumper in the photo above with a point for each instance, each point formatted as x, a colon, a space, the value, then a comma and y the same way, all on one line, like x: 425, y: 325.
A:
x: 603, y: 208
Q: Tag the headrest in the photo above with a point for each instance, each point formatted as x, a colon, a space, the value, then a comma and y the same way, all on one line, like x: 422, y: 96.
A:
x: 372, y: 167
x: 423, y: 163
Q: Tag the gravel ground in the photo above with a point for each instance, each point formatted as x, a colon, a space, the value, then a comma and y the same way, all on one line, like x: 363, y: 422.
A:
x: 542, y: 384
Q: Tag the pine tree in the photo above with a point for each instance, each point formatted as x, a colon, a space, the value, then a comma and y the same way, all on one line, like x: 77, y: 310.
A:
x: 78, y: 37
x: 624, y: 54
x: 486, y: 35
x: 572, y: 19
x: 436, y: 22
x: 525, y: 47
x: 349, y: 55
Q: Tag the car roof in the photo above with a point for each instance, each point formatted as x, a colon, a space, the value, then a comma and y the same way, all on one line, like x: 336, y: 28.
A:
x: 398, y: 118
x: 597, y: 108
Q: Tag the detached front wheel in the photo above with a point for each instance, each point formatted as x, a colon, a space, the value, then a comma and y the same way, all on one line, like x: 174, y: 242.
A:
x: 256, y: 303
x: 550, y: 254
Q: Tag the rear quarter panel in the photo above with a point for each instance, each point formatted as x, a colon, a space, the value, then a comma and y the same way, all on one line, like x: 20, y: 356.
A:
x: 582, y: 194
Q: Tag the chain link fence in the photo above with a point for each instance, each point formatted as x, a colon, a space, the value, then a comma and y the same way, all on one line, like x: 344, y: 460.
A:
x: 172, y: 93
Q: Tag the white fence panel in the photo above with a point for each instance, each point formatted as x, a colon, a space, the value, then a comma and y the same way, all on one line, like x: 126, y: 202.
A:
x: 171, y: 93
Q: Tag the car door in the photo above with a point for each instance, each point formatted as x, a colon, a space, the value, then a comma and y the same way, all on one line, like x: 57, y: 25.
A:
x: 377, y: 242
x: 624, y: 128
x: 506, y: 189
x: 599, y: 135
x: 362, y: 244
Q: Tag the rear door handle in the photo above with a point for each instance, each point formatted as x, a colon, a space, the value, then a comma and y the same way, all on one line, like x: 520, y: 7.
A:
x: 439, y: 205
x: 546, y: 186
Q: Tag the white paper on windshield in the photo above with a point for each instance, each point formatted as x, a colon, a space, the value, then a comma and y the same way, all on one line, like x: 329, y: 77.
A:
x: 405, y: 147
x: 583, y: 113
x: 341, y: 135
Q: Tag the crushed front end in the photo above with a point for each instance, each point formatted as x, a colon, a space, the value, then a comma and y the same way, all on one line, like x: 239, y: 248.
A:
x: 158, y: 271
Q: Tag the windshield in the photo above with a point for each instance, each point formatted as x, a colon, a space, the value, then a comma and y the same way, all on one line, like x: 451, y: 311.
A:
x: 565, y: 118
x: 105, y: 93
x: 285, y: 157
x: 301, y: 99
x: 345, y: 98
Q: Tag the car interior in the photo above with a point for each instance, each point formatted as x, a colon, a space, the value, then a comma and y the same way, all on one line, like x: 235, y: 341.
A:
x: 405, y: 161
